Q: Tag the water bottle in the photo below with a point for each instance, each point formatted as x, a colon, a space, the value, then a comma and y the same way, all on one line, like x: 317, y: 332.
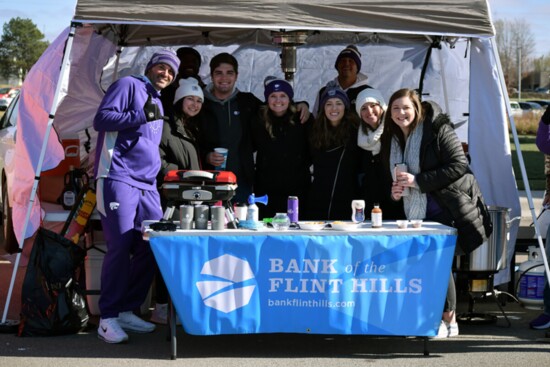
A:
x: 252, y: 213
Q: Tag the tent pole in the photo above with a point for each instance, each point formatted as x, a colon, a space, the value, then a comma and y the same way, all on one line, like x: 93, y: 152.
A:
x: 38, y: 170
x: 117, y: 62
x: 520, y: 159
x: 443, y: 81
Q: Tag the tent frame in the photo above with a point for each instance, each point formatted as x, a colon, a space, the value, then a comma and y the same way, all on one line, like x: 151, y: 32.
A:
x: 64, y: 71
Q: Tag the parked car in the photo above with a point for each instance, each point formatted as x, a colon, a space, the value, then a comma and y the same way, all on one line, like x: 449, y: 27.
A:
x: 531, y: 109
x: 7, y: 153
x: 7, y: 97
x: 542, y: 90
x: 543, y: 103
x: 6, y: 91
x: 517, y: 111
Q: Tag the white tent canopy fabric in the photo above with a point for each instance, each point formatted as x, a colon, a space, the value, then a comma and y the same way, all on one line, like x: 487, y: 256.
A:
x: 393, y: 36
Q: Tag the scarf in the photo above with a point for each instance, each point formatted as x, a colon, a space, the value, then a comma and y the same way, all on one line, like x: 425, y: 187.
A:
x: 370, y: 140
x: 415, y: 203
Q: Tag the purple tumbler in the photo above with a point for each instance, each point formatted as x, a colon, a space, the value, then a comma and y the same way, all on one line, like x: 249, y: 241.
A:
x: 292, y: 209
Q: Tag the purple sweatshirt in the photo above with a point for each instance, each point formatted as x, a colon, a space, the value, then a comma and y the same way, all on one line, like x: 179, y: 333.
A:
x: 127, y: 145
x: 543, y: 137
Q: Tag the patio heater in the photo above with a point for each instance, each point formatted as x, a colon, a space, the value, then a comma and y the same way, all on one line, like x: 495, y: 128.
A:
x: 289, y: 41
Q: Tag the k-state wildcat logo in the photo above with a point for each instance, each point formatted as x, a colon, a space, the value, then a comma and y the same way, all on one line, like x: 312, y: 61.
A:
x: 229, y: 293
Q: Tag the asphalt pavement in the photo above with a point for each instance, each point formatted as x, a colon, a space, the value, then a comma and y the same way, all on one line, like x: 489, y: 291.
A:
x: 495, y: 344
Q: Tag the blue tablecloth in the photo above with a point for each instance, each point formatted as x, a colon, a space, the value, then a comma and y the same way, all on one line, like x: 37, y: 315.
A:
x: 240, y: 282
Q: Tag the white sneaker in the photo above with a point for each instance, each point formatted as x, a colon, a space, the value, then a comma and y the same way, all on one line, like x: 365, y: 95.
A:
x: 447, y: 330
x: 110, y: 331
x: 443, y: 331
x: 128, y: 321
x: 160, y: 314
x: 453, y: 329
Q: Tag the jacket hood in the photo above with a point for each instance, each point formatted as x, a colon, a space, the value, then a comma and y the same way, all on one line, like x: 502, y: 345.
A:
x: 434, y: 113
x: 209, y: 95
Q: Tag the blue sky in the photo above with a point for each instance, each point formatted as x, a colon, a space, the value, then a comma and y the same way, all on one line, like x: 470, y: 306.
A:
x: 52, y: 16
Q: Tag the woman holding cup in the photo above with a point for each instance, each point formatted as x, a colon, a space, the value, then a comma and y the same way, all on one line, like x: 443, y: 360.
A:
x: 441, y: 186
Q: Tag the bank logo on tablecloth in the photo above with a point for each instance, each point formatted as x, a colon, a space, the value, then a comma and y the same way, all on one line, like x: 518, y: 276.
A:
x: 229, y: 293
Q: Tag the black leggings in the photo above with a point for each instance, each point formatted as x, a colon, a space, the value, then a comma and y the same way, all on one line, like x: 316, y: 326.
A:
x: 450, y: 300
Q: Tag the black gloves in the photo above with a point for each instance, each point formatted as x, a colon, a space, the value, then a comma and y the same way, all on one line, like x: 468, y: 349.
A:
x: 152, y: 110
x: 546, y: 117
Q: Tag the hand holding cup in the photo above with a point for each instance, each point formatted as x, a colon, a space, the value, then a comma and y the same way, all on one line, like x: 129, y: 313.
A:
x: 220, y: 158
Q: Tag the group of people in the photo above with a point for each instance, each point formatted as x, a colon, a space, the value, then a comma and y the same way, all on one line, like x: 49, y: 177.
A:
x: 346, y: 152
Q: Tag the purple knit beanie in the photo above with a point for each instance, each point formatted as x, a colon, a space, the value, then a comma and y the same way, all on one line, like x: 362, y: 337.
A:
x: 334, y: 92
x: 277, y: 85
x: 166, y: 56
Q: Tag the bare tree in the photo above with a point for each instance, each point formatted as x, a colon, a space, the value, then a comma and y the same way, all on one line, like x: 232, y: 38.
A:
x: 516, y: 44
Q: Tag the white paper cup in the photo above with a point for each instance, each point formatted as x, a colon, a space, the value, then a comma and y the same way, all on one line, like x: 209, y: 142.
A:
x: 222, y: 151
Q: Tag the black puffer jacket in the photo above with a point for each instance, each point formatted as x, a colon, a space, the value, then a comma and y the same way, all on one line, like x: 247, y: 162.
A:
x: 445, y: 174
x: 178, y: 148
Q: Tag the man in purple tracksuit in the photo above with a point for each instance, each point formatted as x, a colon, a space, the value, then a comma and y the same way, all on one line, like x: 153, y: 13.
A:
x: 129, y: 121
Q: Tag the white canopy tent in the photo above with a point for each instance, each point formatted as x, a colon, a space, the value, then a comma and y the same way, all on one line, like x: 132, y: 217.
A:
x: 109, y: 39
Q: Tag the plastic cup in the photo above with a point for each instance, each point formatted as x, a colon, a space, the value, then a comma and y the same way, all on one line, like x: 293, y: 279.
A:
x: 222, y: 151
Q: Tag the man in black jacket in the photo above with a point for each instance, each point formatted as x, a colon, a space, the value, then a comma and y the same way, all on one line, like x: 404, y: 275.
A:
x: 225, y: 122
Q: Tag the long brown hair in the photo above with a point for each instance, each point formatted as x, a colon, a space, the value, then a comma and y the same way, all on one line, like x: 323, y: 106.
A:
x: 324, y: 135
x: 190, y: 124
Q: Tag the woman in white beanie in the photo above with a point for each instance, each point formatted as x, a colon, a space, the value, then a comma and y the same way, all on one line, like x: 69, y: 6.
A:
x: 371, y: 107
x: 178, y: 146
x: 179, y: 150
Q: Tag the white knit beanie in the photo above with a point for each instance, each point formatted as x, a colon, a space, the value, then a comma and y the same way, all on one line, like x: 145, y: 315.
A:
x: 369, y: 95
x: 188, y: 87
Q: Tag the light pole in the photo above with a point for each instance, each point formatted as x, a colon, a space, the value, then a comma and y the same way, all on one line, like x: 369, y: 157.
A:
x: 519, y: 74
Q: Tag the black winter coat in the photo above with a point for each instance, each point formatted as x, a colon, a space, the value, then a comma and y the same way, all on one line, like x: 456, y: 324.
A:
x: 282, y: 162
x: 335, y: 181
x: 445, y: 174
x: 239, y: 109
